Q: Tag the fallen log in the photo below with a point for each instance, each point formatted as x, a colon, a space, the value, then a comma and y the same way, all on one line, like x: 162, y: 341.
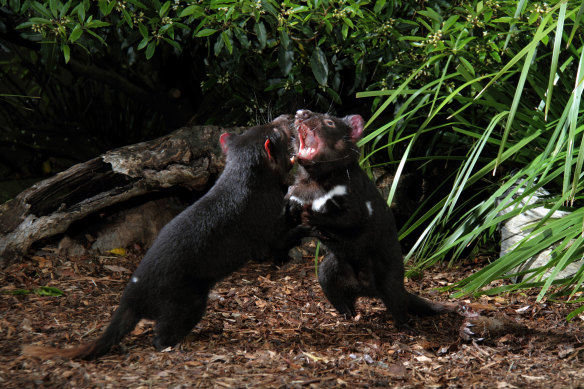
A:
x: 189, y: 158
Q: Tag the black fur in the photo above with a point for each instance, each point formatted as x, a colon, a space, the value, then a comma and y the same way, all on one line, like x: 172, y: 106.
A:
x: 237, y: 220
x: 364, y: 255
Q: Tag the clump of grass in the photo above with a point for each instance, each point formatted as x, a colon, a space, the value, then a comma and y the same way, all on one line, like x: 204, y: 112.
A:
x: 510, y: 125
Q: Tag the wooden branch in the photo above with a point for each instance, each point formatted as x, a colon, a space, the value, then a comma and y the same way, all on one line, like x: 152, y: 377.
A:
x: 188, y: 157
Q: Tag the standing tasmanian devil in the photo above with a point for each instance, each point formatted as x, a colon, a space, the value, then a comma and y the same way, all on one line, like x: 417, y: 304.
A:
x: 343, y: 208
x: 237, y: 220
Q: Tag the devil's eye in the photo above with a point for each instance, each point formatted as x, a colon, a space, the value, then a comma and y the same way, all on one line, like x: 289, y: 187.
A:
x: 329, y: 122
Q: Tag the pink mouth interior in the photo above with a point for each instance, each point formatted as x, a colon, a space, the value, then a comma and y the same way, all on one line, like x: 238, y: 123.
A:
x: 309, y: 143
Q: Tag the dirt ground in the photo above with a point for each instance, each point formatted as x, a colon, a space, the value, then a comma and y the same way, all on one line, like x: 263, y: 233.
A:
x: 271, y: 327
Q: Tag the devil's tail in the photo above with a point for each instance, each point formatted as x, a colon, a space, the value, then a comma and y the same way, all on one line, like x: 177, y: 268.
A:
x: 123, y: 321
x: 422, y: 307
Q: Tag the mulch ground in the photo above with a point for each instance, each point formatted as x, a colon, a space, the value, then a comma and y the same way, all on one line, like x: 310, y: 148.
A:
x: 271, y: 327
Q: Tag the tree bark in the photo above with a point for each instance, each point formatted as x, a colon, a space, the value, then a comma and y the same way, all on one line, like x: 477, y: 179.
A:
x: 189, y: 158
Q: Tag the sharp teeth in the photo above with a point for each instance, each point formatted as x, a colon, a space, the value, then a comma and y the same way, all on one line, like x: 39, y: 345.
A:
x: 306, y: 152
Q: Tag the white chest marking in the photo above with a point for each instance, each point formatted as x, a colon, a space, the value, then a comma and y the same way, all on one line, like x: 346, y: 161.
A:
x: 134, y: 279
x: 339, y: 190
x: 369, y: 207
x: 297, y: 200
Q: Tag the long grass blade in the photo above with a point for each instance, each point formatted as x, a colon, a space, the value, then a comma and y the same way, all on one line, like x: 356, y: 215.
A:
x: 513, y: 28
x: 555, y: 55
x: 576, y: 24
x: 515, y: 104
x: 391, y: 98
x: 574, y: 113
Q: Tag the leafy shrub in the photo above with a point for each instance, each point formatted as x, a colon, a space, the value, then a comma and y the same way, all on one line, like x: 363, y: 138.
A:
x: 115, y: 72
x: 258, y: 54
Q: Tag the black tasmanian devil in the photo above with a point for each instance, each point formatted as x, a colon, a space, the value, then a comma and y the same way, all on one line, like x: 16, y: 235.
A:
x: 239, y: 219
x: 343, y: 208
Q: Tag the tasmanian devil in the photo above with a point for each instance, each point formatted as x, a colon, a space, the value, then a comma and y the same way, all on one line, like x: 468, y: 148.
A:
x: 238, y: 219
x: 343, y: 208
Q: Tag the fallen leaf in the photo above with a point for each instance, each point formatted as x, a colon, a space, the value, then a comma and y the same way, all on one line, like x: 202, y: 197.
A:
x: 43, y: 262
x: 119, y: 251
x: 219, y: 358
x: 314, y: 357
x: 565, y: 350
x: 117, y: 269
x: 260, y: 303
x: 533, y: 378
x: 26, y: 324
x: 396, y: 370
x: 523, y: 309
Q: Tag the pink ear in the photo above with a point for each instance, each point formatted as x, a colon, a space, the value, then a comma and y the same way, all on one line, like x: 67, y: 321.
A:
x: 223, y: 141
x: 267, y: 147
x: 356, y: 122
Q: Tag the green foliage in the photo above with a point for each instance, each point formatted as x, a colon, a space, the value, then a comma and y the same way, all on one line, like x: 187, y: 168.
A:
x: 100, y: 74
x: 478, y: 95
x: 42, y: 291
x: 323, y: 50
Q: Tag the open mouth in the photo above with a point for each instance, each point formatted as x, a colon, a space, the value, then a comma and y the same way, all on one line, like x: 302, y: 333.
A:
x: 309, y: 143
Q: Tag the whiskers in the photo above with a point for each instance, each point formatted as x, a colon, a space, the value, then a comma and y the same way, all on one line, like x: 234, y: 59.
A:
x: 347, y: 156
x: 292, y: 149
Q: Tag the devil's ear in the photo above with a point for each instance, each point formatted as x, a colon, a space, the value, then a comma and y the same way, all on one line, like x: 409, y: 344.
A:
x: 223, y: 140
x: 268, y: 148
x: 356, y: 123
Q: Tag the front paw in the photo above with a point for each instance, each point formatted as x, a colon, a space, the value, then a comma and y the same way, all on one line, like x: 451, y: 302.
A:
x: 294, y: 213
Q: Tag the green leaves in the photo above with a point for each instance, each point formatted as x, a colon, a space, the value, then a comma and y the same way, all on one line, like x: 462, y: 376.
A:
x: 14, y: 5
x: 163, y: 11
x: 262, y: 36
x: 285, y: 58
x: 194, y: 10
x: 319, y: 66
x: 226, y: 37
x: 379, y: 4
x: 48, y: 291
x: 76, y: 33
x: 55, y: 6
x: 205, y: 32
x: 66, y: 52
x: 308, y: 47
x: 150, y: 49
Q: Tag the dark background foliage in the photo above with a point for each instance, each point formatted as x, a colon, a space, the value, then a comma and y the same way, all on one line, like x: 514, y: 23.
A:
x: 82, y: 77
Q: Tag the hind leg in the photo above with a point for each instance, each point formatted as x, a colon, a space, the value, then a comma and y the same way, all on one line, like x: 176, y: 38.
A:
x: 396, y: 302
x: 339, y: 284
x: 176, y: 322
x: 390, y: 288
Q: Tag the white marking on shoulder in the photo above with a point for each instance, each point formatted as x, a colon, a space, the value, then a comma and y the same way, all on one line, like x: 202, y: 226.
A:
x: 134, y: 279
x: 297, y: 200
x: 339, y: 190
x: 369, y: 207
